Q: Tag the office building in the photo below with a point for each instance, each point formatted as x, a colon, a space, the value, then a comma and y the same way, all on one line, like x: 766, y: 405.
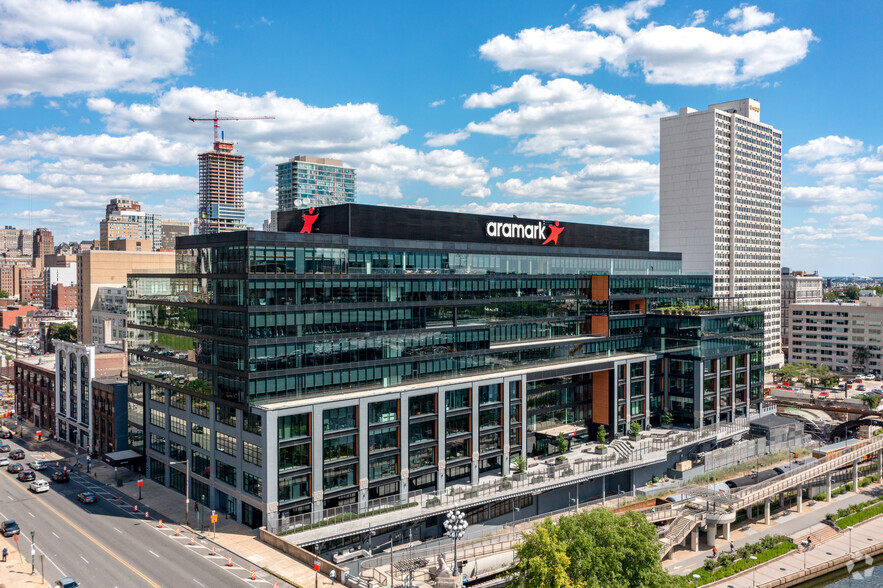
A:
x: 16, y: 243
x: 305, y: 181
x: 109, y: 315
x: 221, y: 205
x: 117, y: 227
x: 109, y: 414
x: 844, y: 336
x: 63, y: 297
x: 720, y: 204
x: 171, y: 230
x: 57, y: 276
x: 44, y: 244
x: 124, y: 219
x: 366, y: 353
x: 35, y: 390
x: 797, y: 287
x: 98, y: 269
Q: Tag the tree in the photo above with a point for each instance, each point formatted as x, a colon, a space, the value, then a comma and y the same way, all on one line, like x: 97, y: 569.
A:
x: 4, y: 294
x: 860, y: 356
x: 667, y: 419
x: 852, y: 292
x: 635, y: 427
x: 592, y: 549
x: 601, y: 436
x: 520, y: 464
x: 829, y: 380
x: 563, y: 445
x: 65, y: 332
x: 872, y: 400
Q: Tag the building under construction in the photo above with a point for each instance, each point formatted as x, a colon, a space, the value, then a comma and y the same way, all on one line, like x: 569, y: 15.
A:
x: 221, y: 207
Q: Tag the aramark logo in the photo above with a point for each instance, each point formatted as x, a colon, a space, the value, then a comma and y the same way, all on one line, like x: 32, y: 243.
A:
x: 520, y: 231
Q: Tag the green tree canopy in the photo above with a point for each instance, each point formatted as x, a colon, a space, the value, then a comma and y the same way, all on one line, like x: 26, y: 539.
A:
x: 4, y: 294
x: 592, y: 549
x: 65, y: 332
x: 852, y: 292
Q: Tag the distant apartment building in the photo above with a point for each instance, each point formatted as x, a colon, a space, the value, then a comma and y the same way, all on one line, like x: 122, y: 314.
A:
x: 720, y: 203
x: 44, y: 244
x: 797, y: 287
x: 171, y: 230
x: 124, y: 219
x: 64, y: 297
x: 57, y: 276
x: 77, y: 366
x: 32, y: 289
x: 16, y: 242
x: 35, y: 391
x: 221, y: 204
x: 109, y: 269
x: 305, y: 181
x: 117, y: 227
x: 829, y: 333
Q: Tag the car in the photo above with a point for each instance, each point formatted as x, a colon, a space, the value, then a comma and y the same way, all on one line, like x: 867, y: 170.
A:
x: 860, y: 387
x: 4, y: 461
x: 823, y: 394
x: 87, y: 497
x: 5, y: 448
x: 38, y: 486
x: 66, y: 583
x: 61, y: 477
x: 38, y: 465
x: 9, y: 528
x: 850, y: 381
x: 17, y: 454
x: 5, y: 434
x: 14, y: 468
x: 27, y: 476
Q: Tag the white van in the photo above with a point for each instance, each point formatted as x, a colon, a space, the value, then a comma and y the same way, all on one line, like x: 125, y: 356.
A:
x: 38, y: 486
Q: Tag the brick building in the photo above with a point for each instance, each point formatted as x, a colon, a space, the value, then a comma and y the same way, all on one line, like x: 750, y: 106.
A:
x: 64, y: 297
x: 35, y: 391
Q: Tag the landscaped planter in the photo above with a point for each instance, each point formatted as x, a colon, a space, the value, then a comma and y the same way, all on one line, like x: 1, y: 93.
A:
x: 601, y: 450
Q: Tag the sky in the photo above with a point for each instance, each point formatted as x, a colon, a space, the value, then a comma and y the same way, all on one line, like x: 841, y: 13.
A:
x: 540, y: 109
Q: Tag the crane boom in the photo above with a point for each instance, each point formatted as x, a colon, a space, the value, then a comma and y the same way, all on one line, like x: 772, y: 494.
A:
x: 216, y: 118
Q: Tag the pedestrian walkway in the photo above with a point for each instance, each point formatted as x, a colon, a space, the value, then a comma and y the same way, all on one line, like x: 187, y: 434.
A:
x: 17, y: 567
x: 158, y: 501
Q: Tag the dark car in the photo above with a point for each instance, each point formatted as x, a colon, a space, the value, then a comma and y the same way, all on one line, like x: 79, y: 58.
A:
x: 27, y: 476
x: 17, y: 454
x: 5, y: 448
x: 87, y: 497
x: 5, y: 434
x: 61, y: 477
x: 66, y: 583
x: 9, y: 528
x: 15, y: 468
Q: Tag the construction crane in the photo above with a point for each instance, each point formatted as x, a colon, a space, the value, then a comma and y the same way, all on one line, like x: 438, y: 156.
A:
x: 216, y: 118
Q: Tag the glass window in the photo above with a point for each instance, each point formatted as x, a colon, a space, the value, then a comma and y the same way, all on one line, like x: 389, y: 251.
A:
x: 340, y: 476
x: 199, y: 406
x: 424, y: 431
x: 458, y: 424
x: 200, y: 436
x: 178, y: 400
x: 336, y: 419
x: 252, y: 423
x: 225, y: 472
x: 455, y: 399
x: 490, y: 418
x: 158, y: 394
x: 158, y: 443
x: 252, y: 484
x: 420, y: 458
x: 385, y: 438
x: 294, y: 425
x: 381, y: 467
x: 383, y: 412
x: 157, y: 418
x: 421, y: 405
x: 340, y: 447
x: 296, y: 456
x: 252, y: 453
x: 514, y: 390
x: 458, y: 449
x: 490, y: 394
x: 177, y: 425
x: 225, y: 443
x: 294, y: 488
x: 490, y: 442
x: 225, y: 414
x: 177, y: 451
x: 200, y: 464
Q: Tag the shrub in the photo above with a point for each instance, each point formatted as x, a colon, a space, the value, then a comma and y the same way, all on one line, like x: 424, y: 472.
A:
x: 635, y: 428
x: 433, y: 502
x: 601, y: 437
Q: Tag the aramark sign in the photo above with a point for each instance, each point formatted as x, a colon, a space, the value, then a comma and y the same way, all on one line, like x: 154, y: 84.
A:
x: 521, y: 231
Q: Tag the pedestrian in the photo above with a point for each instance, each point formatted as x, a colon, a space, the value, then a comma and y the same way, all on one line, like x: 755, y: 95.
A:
x: 808, y: 542
x: 4, y: 553
x: 732, y: 546
x: 333, y: 575
x: 714, y: 552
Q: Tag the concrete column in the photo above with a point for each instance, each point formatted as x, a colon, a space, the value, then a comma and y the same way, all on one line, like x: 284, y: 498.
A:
x: 855, y: 476
x: 766, y: 511
x: 880, y: 466
x: 782, y: 501
x: 727, y: 531
x: 694, y: 539
x: 475, y: 404
x: 828, y: 477
x: 711, y: 533
x: 800, y: 498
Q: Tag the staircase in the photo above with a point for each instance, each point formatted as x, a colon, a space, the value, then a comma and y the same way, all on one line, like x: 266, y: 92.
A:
x: 821, y: 533
x: 622, y: 448
x: 677, y: 532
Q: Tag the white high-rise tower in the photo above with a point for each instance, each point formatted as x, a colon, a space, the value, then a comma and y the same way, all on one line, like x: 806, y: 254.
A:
x: 720, y: 204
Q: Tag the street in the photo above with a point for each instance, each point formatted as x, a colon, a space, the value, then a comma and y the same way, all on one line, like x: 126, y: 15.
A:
x: 107, y: 543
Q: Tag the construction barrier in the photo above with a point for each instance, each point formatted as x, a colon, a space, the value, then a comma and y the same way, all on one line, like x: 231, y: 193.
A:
x: 160, y: 524
x: 229, y: 562
x: 192, y: 540
x: 254, y: 575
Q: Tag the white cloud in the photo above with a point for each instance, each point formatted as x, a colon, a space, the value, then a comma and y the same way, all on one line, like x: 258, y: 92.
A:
x: 647, y: 221
x: 747, y: 18
x: 827, y: 195
x: 830, y: 146
x: 604, y: 181
x: 699, y: 16
x: 832, y: 209
x: 57, y: 47
x: 565, y: 116
x: 445, y: 139
x: 436, y: 103
x: 617, y: 20
x: 535, y: 209
x: 666, y: 54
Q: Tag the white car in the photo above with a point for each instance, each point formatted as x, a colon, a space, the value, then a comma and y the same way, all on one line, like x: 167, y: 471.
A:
x: 4, y: 461
x: 38, y: 486
x: 38, y: 464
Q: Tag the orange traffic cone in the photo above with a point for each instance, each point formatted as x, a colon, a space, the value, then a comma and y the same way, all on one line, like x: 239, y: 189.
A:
x: 136, y: 508
x: 160, y: 524
x: 146, y: 515
x: 192, y: 540
x: 254, y: 575
x: 178, y: 532
x: 229, y: 562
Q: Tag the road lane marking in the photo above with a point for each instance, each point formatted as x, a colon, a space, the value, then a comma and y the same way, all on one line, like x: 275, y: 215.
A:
x: 84, y: 559
x: 100, y: 545
x: 32, y: 515
x: 198, y: 582
x: 117, y: 530
x: 56, y: 536
x: 153, y: 554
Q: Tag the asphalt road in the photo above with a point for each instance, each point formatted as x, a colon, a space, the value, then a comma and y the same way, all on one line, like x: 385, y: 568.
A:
x: 106, y: 543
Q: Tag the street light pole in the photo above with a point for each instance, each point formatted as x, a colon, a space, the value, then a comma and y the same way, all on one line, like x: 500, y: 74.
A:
x: 186, y: 463
x: 455, y: 527
x: 754, y: 572
x: 33, y: 552
x: 849, y: 528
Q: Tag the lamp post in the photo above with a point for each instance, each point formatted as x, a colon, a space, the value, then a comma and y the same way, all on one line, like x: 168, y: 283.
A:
x: 754, y: 572
x: 514, y: 510
x: 33, y: 552
x: 849, y: 528
x: 455, y: 527
x: 697, y: 577
x: 186, y: 463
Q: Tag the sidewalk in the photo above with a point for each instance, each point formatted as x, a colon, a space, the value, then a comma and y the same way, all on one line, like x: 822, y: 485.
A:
x: 158, y: 500
x: 17, y: 570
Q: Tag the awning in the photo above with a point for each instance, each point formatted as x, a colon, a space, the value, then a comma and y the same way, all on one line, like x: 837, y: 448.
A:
x: 566, y: 430
x: 123, y: 458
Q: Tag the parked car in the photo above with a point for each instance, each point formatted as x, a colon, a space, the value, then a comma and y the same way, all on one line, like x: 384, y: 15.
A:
x: 27, y: 476
x: 5, y: 448
x: 38, y: 465
x: 9, y: 528
x: 61, y: 476
x: 860, y: 387
x: 66, y: 583
x: 5, y: 434
x: 823, y: 394
x: 14, y: 468
x: 87, y: 497
x: 17, y: 454
x: 38, y: 486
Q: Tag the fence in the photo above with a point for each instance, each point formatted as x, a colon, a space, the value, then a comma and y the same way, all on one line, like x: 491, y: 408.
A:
x: 332, y: 516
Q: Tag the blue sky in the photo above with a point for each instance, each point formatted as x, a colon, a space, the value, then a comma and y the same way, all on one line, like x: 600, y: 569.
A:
x: 542, y: 109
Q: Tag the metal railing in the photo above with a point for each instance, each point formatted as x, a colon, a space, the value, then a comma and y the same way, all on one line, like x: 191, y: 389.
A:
x: 332, y: 516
